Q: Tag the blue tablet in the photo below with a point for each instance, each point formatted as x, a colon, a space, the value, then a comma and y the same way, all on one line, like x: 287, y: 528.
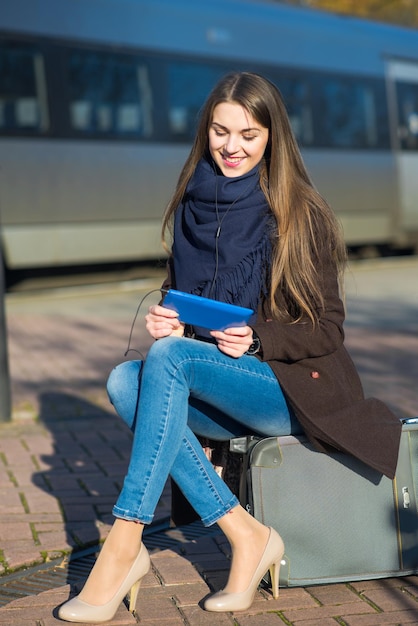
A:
x: 204, y: 312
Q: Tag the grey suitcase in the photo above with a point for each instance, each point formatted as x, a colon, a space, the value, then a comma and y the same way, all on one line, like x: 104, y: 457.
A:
x: 340, y: 520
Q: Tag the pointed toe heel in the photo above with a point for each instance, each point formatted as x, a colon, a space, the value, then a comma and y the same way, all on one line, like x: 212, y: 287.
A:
x: 76, y: 610
x: 222, y: 601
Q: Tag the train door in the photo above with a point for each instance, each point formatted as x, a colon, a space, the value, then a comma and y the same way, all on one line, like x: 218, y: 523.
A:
x: 403, y: 90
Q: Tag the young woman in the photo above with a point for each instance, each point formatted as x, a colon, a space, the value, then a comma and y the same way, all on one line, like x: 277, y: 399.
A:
x: 249, y: 228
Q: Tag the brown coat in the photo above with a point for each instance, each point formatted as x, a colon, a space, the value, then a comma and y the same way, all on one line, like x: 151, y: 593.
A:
x: 322, y: 385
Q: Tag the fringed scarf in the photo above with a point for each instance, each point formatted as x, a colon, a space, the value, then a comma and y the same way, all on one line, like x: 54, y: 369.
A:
x: 222, y: 237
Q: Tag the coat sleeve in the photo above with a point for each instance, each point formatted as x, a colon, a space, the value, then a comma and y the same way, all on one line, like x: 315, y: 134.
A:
x: 291, y: 342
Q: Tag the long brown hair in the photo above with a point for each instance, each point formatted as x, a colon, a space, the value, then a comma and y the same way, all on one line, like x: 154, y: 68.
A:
x: 306, y: 226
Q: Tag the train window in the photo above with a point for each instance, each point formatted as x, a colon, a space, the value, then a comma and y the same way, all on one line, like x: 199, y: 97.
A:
x: 407, y: 99
x: 23, y: 102
x: 297, y: 97
x: 189, y: 84
x: 350, y: 113
x: 110, y: 95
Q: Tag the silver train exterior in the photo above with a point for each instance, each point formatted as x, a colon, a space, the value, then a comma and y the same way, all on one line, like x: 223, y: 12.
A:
x: 99, y: 101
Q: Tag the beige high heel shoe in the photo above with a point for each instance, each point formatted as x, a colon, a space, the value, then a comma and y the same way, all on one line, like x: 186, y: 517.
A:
x: 270, y: 560
x: 76, y: 610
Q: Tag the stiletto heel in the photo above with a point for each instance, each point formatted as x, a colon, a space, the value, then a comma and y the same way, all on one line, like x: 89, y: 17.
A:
x: 76, y: 610
x: 274, y: 578
x: 270, y: 561
x: 133, y: 595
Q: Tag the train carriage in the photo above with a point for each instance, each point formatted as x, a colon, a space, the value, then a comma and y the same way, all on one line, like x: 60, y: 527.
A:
x: 99, y: 101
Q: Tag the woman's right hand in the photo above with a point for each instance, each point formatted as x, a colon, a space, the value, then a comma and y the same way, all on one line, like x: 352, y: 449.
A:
x: 163, y: 322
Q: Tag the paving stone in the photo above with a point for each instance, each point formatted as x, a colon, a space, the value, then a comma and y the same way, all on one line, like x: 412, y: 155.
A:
x: 296, y: 597
x: 321, y: 612
x: 392, y: 601
x: 12, y: 532
x: 198, y: 617
x: 266, y: 619
x: 189, y: 594
x: 161, y: 606
x: 395, y: 618
x: 10, y: 501
x: 175, y: 570
x: 333, y: 594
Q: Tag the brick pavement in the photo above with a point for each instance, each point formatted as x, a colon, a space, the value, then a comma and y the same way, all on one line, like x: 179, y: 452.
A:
x: 63, y: 457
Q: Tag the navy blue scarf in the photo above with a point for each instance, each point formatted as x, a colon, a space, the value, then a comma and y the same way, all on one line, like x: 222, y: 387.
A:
x: 236, y: 210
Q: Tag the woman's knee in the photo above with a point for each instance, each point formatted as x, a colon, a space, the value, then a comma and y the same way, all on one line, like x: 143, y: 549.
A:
x: 164, y: 347
x: 122, y: 378
x: 123, y: 388
x: 176, y: 351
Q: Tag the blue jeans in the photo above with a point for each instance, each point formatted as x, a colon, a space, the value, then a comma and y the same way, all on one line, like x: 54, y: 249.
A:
x: 183, y: 388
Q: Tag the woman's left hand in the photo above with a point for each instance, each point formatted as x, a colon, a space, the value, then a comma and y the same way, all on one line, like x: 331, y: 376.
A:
x: 234, y: 341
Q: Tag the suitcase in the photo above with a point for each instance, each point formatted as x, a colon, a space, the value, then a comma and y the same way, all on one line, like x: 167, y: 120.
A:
x: 340, y: 520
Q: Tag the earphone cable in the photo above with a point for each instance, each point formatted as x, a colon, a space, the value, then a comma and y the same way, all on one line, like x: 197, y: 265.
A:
x: 129, y: 349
